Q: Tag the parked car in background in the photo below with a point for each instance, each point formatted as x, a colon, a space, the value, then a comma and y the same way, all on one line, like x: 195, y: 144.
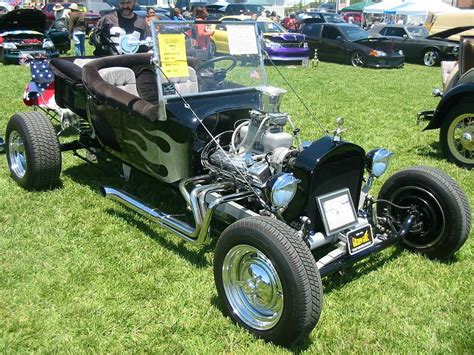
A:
x: 348, y: 43
x: 441, y: 22
x: 318, y: 17
x: 454, y: 114
x: 216, y: 11
x: 22, y: 32
x: 91, y: 18
x: 278, y: 43
x: 417, y: 44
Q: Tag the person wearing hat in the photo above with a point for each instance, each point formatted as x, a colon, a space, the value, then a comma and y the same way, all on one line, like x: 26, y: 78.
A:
x: 121, y: 22
x: 77, y: 29
x: 58, y: 11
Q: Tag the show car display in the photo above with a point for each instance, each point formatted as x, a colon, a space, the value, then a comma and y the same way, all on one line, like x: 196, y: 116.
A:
x: 454, y: 115
x: 292, y: 211
x: 22, y: 32
x: 350, y: 44
x: 417, y: 44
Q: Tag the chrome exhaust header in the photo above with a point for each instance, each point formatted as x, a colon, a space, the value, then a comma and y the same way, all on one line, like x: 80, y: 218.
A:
x: 199, y: 234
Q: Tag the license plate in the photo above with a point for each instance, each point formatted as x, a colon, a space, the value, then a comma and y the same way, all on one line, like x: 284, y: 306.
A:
x: 359, y: 239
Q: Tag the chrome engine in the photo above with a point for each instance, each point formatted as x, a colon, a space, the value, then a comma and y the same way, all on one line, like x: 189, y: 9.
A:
x: 258, y: 149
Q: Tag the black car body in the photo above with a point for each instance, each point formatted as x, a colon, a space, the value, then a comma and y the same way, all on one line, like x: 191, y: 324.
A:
x: 454, y: 114
x: 417, y: 44
x: 213, y: 132
x: 348, y: 43
x: 23, y: 33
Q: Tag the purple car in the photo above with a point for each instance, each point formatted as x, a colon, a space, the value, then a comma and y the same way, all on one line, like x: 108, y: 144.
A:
x: 280, y: 44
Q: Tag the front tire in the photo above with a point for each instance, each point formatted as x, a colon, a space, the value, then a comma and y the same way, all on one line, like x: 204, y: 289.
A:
x: 443, y: 219
x: 431, y: 57
x: 358, y: 59
x: 457, y: 135
x: 33, y: 153
x: 267, y: 280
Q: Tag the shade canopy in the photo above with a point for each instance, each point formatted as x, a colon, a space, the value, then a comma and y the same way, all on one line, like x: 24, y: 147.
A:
x: 358, y: 6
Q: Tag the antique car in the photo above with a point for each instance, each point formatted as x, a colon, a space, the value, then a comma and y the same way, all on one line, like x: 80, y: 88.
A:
x: 277, y: 42
x: 287, y: 212
x: 348, y: 43
x: 417, y: 44
x: 22, y: 32
x: 454, y: 115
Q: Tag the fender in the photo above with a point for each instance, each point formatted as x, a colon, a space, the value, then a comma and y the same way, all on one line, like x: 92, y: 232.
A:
x: 458, y: 94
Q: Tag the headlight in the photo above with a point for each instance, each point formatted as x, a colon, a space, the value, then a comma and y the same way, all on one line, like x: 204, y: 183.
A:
x: 271, y: 44
x: 376, y: 161
x: 305, y: 45
x: 282, y: 189
x: 9, y: 45
x: 374, y: 53
x: 48, y: 44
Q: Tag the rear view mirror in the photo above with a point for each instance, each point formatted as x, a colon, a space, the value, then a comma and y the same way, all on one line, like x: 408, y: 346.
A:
x: 405, y: 36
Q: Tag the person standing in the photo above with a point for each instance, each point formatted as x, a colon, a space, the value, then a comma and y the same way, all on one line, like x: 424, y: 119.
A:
x: 204, y: 33
x: 77, y: 30
x: 118, y: 23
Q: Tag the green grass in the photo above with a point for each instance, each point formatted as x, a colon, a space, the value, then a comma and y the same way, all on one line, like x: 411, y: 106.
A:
x: 79, y: 273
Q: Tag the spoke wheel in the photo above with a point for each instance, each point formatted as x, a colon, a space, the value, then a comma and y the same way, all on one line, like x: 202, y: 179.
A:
x: 457, y: 136
x: 358, y: 59
x: 440, y: 207
x: 267, y: 280
x: 431, y: 58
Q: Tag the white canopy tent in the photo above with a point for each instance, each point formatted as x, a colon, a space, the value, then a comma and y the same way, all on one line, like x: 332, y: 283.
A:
x: 382, y: 7
x: 422, y: 7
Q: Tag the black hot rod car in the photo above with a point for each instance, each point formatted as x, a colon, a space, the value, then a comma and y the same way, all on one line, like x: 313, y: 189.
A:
x: 211, y: 128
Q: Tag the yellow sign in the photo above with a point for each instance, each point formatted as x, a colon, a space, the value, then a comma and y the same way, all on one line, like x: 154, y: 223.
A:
x: 173, y: 55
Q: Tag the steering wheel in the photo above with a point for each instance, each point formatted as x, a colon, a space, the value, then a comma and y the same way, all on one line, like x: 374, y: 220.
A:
x: 206, y: 70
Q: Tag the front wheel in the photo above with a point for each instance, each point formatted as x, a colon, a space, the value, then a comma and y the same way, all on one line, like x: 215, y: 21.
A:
x: 212, y: 49
x: 431, y: 57
x: 267, y: 280
x: 33, y: 153
x: 358, y: 59
x: 457, y: 135
x: 441, y: 209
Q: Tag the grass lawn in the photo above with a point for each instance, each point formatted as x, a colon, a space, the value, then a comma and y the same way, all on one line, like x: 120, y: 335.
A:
x: 79, y: 273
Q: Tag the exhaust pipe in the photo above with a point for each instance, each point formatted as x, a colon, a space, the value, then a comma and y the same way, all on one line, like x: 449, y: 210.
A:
x: 197, y: 235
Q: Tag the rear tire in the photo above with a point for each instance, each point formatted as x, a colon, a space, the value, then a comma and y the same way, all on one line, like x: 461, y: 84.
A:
x: 456, y: 135
x: 431, y: 57
x: 33, y: 153
x: 212, y: 49
x: 267, y: 280
x: 358, y: 59
x: 443, y: 221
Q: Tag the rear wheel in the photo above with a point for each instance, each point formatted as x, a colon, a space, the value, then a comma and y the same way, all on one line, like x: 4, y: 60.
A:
x: 212, y: 49
x: 457, y: 135
x: 358, y: 59
x: 431, y: 57
x: 33, y: 153
x: 267, y: 280
x: 443, y: 215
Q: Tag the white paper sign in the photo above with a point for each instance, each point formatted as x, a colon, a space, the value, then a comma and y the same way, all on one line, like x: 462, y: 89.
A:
x: 242, y: 39
x: 338, y: 211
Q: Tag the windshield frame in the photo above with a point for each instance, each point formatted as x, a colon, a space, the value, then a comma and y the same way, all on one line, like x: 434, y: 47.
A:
x: 346, y: 29
x: 156, y: 61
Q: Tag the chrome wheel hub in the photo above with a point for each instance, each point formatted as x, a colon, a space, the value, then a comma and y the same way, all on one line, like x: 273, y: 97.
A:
x: 253, y: 287
x: 461, y: 138
x: 430, y: 58
x: 17, y: 155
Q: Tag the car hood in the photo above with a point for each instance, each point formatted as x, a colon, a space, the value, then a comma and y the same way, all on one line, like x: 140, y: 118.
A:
x: 284, y: 37
x: 450, y: 32
x: 379, y: 43
x: 24, y: 19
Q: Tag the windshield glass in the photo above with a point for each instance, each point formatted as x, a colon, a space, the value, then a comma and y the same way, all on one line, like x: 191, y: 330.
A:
x: 418, y: 32
x: 196, y: 58
x: 269, y: 27
x: 354, y: 33
x: 333, y: 18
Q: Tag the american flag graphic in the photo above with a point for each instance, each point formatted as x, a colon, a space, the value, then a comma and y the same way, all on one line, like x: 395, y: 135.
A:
x: 40, y: 90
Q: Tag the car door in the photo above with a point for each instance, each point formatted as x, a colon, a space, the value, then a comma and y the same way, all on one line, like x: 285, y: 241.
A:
x: 401, y: 39
x: 332, y: 44
x: 313, y: 38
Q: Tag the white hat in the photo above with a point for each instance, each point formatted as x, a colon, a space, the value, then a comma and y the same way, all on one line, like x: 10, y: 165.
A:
x: 74, y: 7
x: 58, y: 7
